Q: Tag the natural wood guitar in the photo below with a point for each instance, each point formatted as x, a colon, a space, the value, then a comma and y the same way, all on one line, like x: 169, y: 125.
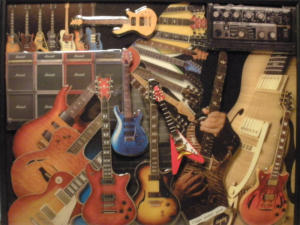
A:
x: 12, y: 44
x: 143, y: 22
x: 40, y: 40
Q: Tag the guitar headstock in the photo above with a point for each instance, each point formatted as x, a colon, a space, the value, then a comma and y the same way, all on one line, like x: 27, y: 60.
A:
x: 151, y: 92
x: 13, y: 6
x: 76, y: 21
x: 104, y: 87
x: 192, y: 66
x: 80, y: 5
x: 286, y: 101
x: 40, y: 6
x: 67, y: 5
x: 27, y: 6
x: 52, y: 6
x: 126, y: 57
x: 159, y: 94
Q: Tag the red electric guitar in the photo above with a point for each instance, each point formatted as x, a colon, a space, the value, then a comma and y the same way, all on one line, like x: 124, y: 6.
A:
x: 266, y: 202
x: 27, y: 43
x: 109, y: 202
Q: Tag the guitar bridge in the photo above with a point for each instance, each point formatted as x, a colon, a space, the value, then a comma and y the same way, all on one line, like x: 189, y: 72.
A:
x: 155, y: 203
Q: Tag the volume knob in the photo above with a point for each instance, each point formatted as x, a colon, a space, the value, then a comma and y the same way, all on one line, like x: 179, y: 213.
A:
x: 272, y: 35
x: 218, y: 32
x: 248, y: 15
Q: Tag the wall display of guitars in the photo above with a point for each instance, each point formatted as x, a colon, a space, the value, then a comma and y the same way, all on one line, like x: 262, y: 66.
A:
x: 136, y: 113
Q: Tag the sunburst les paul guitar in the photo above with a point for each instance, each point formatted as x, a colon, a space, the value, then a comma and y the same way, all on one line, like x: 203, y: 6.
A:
x: 40, y: 40
x: 266, y: 202
x: 109, y: 202
x: 13, y: 44
x: 155, y: 202
x: 143, y: 21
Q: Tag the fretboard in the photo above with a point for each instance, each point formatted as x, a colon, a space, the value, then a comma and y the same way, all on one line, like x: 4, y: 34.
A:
x: 193, y: 9
x: 106, y: 142
x: 277, y: 64
x: 281, y: 145
x: 105, y: 20
x: 76, y: 107
x: 154, y: 153
x: 86, y: 136
x: 80, y: 13
x: 40, y: 19
x: 175, y: 21
x: 159, y: 56
x: 146, y: 74
x: 52, y: 22
x: 12, y: 21
x: 67, y: 21
x: 126, y: 92
x: 215, y: 102
x: 27, y: 22
x: 193, y: 39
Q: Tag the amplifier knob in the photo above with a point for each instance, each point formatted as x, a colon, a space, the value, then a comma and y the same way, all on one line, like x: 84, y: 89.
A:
x: 248, y: 15
x: 260, y: 16
x: 242, y: 33
x: 226, y: 14
x: 236, y: 14
x: 218, y: 32
x: 216, y: 14
x: 261, y: 34
x: 272, y: 35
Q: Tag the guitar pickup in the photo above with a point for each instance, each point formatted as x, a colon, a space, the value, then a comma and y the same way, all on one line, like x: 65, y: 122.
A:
x: 269, y: 197
x: 129, y: 139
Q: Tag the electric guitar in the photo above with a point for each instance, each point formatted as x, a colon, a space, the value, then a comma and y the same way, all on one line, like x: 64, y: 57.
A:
x: 109, y: 202
x: 12, y: 44
x: 213, y: 170
x: 66, y: 39
x: 143, y: 21
x: 36, y: 134
x: 156, y: 204
x: 40, y: 40
x: 179, y: 145
x: 79, y: 39
x: 266, y: 202
x: 27, y: 43
x: 52, y: 41
x: 93, y: 38
x: 65, y: 152
x: 129, y: 138
x: 58, y: 204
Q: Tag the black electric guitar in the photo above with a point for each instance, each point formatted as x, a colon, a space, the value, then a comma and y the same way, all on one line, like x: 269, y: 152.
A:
x: 156, y: 204
x: 51, y: 35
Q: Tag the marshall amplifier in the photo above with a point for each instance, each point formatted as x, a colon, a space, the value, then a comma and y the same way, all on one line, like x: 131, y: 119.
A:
x: 20, y: 106
x: 20, y: 77
x: 79, y: 76
x: 79, y: 57
x: 20, y: 58
x: 49, y: 77
x: 248, y: 28
x: 44, y: 102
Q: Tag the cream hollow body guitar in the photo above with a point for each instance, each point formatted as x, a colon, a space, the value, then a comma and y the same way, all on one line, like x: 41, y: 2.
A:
x: 40, y: 40
x: 66, y: 39
x: 256, y: 116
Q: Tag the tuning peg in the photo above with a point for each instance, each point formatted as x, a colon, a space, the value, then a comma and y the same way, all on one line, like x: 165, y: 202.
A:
x: 127, y: 9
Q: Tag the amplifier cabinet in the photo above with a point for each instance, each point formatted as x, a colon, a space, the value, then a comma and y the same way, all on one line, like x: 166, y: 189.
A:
x: 20, y: 77
x: 44, y: 102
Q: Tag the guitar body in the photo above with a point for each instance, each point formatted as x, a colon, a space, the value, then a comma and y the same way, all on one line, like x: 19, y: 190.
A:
x: 99, y: 208
x: 27, y: 210
x: 40, y: 42
x: 147, y: 15
x: 52, y: 41
x: 27, y: 43
x: 254, y: 206
x: 29, y: 137
x: 133, y: 144
x: 253, y: 69
x: 93, y: 40
x: 161, y: 209
x: 30, y: 172
x: 66, y: 41
x: 79, y: 42
x: 12, y: 44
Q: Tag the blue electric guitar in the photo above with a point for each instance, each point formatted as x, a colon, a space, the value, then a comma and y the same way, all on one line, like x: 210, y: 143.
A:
x: 93, y: 38
x: 129, y: 138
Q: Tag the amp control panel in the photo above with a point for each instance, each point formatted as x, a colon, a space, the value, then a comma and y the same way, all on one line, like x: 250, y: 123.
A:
x: 250, y: 27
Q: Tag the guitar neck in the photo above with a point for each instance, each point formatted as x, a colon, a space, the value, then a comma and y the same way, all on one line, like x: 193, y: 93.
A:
x: 80, y: 13
x: 193, y: 39
x: 277, y: 64
x: 159, y: 56
x: 12, y: 21
x: 52, y: 22
x: 126, y: 92
x: 76, y: 107
x: 146, y: 74
x: 164, y: 46
x: 192, y: 9
x: 27, y: 22
x: 40, y: 19
x: 175, y: 21
x: 107, y: 171
x: 105, y: 20
x: 67, y: 21
x: 154, y: 154
x: 215, y: 102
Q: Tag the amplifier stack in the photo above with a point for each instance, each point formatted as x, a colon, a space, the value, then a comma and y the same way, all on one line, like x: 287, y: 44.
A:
x: 33, y: 80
